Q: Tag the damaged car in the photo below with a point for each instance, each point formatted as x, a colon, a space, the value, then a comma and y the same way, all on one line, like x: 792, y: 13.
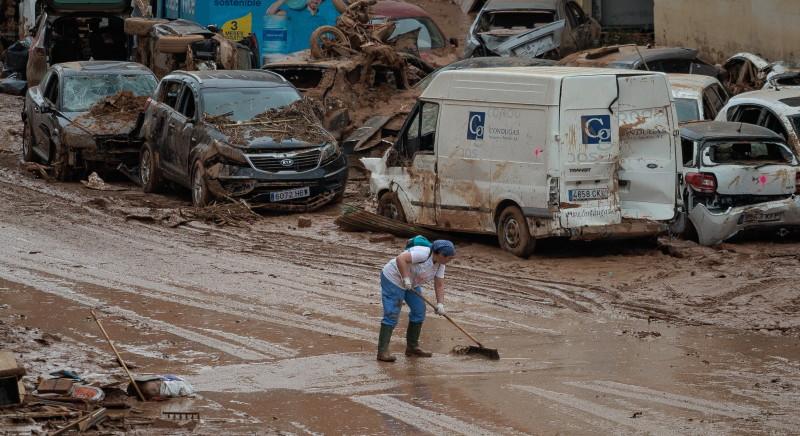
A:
x: 697, y: 97
x: 737, y: 177
x: 647, y: 58
x: 240, y: 135
x: 749, y: 72
x: 68, y: 31
x: 529, y: 28
x: 776, y: 109
x: 82, y: 115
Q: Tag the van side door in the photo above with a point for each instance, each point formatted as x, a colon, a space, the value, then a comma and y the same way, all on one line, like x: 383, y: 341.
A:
x: 588, y: 152
x: 648, y: 148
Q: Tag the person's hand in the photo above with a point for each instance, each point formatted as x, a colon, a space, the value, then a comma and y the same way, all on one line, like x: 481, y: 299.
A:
x: 408, y: 284
x: 440, y: 309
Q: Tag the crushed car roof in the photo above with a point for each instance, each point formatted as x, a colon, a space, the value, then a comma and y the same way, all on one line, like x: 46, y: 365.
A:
x: 234, y: 78
x: 724, y: 129
x: 92, y: 67
x: 499, y: 5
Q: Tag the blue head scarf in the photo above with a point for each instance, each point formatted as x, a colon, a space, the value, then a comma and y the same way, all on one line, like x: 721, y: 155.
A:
x: 444, y: 247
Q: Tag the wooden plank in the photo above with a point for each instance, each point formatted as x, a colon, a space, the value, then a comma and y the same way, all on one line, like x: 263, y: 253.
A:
x: 9, y: 366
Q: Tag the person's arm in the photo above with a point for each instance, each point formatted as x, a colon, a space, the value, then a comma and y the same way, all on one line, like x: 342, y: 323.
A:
x: 438, y: 286
x: 404, y: 262
x: 273, y: 8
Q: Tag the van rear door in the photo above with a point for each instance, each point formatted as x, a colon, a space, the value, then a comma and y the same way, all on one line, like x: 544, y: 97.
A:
x: 648, y: 163
x: 589, y: 149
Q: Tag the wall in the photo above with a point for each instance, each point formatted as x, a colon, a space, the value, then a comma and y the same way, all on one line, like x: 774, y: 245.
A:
x: 720, y: 28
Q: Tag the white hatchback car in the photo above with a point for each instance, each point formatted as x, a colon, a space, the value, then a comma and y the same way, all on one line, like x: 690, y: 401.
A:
x: 697, y: 97
x: 775, y: 109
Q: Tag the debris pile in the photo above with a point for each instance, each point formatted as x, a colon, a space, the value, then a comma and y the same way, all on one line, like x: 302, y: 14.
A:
x: 356, y: 219
x: 236, y: 213
x: 296, y: 121
x: 123, y: 106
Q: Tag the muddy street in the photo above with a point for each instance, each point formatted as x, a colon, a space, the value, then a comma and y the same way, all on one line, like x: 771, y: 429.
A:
x: 275, y: 324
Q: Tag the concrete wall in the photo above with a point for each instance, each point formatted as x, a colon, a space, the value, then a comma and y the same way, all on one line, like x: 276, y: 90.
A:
x: 720, y: 28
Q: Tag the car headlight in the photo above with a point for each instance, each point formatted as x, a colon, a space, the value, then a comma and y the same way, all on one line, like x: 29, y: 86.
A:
x: 330, y: 151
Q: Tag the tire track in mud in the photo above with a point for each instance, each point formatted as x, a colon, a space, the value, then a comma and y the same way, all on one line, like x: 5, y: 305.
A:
x: 423, y: 420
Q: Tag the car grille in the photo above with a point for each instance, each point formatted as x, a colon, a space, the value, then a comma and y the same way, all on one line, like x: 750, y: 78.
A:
x: 298, y: 162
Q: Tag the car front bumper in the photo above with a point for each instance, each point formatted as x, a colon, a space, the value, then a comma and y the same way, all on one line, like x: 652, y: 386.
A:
x: 713, y: 227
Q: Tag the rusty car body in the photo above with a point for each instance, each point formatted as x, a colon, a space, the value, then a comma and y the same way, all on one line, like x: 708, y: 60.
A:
x: 775, y: 109
x: 534, y: 152
x: 737, y: 177
x: 68, y: 31
x: 61, y: 128
x: 647, y: 58
x: 211, y: 131
x: 521, y: 28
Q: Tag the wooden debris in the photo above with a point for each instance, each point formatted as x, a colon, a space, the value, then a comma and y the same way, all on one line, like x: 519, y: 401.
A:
x: 357, y: 219
x: 119, y: 358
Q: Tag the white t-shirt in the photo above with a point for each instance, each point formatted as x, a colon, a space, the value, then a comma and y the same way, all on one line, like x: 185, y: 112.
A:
x: 423, y: 270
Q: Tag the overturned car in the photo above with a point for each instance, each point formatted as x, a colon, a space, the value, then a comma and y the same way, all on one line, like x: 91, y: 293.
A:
x: 240, y: 134
x: 83, y: 114
x: 737, y: 177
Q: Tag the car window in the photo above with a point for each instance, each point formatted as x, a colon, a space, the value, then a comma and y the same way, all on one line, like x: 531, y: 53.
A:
x: 745, y: 113
x: 687, y: 109
x: 772, y: 122
x: 576, y: 15
x: 187, y: 105
x: 795, y: 120
x: 674, y: 66
x: 421, y: 133
x: 721, y: 92
x: 429, y: 36
x: 242, y: 104
x: 713, y: 101
x: 687, y: 150
x: 51, y: 88
x: 750, y: 153
x: 505, y: 21
x: 83, y: 91
x: 169, y: 92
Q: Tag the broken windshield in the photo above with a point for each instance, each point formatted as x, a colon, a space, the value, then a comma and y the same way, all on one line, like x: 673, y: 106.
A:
x: 82, y: 92
x: 750, y: 153
x: 515, y: 21
x: 242, y: 104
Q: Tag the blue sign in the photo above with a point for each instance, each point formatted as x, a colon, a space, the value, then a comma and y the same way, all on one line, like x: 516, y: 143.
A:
x: 476, y: 125
x: 596, y: 129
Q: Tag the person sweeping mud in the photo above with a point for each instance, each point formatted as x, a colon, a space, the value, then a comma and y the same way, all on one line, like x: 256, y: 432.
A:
x: 401, y: 279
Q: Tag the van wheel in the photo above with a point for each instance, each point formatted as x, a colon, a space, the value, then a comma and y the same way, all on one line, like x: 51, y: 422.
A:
x: 28, y: 154
x: 200, y: 195
x: 389, y: 206
x: 149, y: 172
x: 513, y: 232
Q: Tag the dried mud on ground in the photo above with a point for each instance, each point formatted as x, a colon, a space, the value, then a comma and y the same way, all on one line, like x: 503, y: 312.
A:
x: 275, y: 322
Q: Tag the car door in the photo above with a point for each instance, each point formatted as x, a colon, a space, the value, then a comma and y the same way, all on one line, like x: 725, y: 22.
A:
x: 182, y: 128
x: 161, y: 131
x: 416, y: 144
x: 44, y: 118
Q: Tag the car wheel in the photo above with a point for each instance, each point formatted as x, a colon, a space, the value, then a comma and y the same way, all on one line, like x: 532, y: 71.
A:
x: 389, y: 206
x: 200, y: 195
x: 149, y: 171
x: 59, y: 162
x: 513, y: 233
x: 28, y: 154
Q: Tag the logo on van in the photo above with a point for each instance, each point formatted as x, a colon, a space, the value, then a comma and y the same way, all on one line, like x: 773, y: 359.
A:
x: 596, y: 129
x: 476, y: 125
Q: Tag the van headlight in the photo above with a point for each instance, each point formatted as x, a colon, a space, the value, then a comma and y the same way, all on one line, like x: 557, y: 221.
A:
x: 330, y: 152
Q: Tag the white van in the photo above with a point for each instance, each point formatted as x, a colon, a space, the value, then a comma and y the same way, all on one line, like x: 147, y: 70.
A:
x: 535, y: 152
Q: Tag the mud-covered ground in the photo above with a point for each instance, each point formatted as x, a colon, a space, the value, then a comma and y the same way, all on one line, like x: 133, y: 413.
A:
x: 275, y: 324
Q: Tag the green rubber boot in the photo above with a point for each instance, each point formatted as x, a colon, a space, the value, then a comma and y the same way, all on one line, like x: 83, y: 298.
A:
x: 384, y: 339
x: 412, y: 341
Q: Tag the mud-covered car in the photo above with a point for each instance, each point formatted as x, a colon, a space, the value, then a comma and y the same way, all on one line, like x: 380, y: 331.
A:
x: 512, y: 28
x: 647, y: 58
x: 775, y: 109
x: 737, y: 177
x: 748, y: 72
x: 68, y: 31
x: 240, y: 134
x: 697, y: 97
x: 83, y: 114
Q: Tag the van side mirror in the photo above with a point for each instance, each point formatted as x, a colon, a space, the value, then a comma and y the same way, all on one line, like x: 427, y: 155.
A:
x: 453, y: 42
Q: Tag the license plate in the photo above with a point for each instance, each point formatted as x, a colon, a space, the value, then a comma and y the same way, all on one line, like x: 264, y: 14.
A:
x: 289, y: 194
x: 763, y: 217
x: 588, y: 194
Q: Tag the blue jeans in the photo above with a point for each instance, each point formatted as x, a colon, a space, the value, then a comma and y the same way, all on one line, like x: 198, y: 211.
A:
x: 393, y: 296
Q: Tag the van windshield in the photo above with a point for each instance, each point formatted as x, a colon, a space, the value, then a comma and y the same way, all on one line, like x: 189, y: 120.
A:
x: 242, y: 104
x: 750, y: 153
x: 82, y: 92
x: 687, y: 110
